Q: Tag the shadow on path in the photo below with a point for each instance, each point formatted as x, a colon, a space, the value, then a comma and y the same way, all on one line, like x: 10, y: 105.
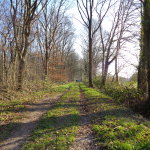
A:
x: 23, y: 127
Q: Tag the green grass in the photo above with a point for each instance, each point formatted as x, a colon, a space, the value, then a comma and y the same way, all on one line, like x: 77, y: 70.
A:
x: 116, y: 127
x: 62, y: 88
x: 92, y: 93
x: 11, y: 110
x: 122, y: 134
x: 57, y: 128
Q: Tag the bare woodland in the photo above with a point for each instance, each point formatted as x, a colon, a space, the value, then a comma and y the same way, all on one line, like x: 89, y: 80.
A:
x: 37, y: 41
x: 74, y: 74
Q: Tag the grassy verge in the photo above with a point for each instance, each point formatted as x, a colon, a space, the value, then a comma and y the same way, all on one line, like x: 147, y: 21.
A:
x: 116, y: 127
x: 12, y: 110
x: 57, y: 128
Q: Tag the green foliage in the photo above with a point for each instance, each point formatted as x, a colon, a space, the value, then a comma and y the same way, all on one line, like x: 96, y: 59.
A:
x: 123, y: 93
x: 57, y: 128
x: 62, y: 88
x: 97, y: 81
x: 133, y: 78
x: 122, y: 134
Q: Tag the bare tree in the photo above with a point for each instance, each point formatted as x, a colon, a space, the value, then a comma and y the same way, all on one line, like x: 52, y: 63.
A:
x: 23, y: 14
x: 49, y: 24
x: 113, y: 40
x: 86, y: 9
x: 54, y: 33
x: 96, y: 53
x: 6, y: 46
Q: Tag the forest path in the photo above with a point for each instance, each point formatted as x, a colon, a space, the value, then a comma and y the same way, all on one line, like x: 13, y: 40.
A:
x: 34, y: 112
x: 84, y: 138
x: 74, y: 122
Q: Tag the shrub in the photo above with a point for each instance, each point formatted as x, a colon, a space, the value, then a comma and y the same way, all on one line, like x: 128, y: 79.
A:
x: 123, y: 93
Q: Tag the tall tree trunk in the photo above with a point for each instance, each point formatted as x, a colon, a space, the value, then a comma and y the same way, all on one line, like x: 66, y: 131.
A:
x: 103, y: 63
x: 94, y: 69
x: 14, y: 68
x: 142, y: 74
x: 104, y: 76
x: 147, y: 41
x: 142, y: 68
x: 46, y: 45
x: 46, y: 64
x: 4, y: 70
x: 90, y: 56
x: 21, y: 67
x: 116, y: 70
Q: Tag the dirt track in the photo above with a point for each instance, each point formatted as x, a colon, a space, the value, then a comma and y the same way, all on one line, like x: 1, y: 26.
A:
x: 26, y: 125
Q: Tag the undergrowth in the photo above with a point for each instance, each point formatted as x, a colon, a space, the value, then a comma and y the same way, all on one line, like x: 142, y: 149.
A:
x: 128, y: 94
x: 123, y: 93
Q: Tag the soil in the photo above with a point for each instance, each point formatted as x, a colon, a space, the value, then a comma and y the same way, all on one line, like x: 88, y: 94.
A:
x: 33, y: 113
